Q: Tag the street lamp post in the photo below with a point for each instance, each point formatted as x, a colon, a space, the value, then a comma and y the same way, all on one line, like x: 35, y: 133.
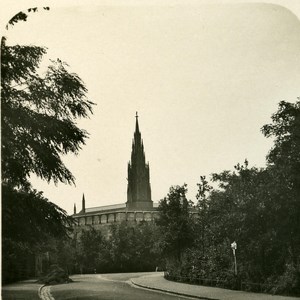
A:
x: 234, y: 247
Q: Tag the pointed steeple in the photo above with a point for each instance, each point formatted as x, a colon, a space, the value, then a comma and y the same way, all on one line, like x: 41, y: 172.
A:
x: 138, y: 189
x: 83, y: 203
x: 137, y: 134
x: 74, y: 209
x: 136, y: 122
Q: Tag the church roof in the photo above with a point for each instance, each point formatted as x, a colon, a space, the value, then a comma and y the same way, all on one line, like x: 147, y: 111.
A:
x: 109, y: 209
x: 102, y: 209
x: 105, y: 207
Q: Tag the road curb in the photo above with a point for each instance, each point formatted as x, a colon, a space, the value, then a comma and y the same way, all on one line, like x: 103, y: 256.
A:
x: 171, y: 292
x: 40, y: 291
x: 46, y: 295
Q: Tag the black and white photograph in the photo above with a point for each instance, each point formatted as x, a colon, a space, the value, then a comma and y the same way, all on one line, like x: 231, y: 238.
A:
x: 150, y: 150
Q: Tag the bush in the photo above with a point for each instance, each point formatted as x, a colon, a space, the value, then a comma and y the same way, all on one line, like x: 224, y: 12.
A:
x: 289, y: 282
x: 56, y: 276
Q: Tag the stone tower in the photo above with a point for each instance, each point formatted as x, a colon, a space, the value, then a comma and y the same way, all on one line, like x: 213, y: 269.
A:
x: 138, y: 189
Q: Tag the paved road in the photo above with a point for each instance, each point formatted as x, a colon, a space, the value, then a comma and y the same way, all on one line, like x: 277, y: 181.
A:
x: 108, y: 287
x: 158, y: 282
x: 25, y: 290
x: 118, y: 287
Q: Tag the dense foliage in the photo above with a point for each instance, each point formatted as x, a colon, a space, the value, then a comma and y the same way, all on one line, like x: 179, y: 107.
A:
x: 124, y: 248
x: 176, y: 226
x: 38, y: 116
x: 38, y: 126
x: 29, y: 220
x: 259, y: 208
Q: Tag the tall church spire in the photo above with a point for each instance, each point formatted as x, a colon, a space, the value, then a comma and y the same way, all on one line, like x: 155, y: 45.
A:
x: 138, y: 189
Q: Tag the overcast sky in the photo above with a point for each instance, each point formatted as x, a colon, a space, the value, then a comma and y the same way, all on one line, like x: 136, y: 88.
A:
x: 203, y: 78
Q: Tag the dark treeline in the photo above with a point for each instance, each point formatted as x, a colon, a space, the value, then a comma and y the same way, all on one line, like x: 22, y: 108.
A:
x: 127, y: 248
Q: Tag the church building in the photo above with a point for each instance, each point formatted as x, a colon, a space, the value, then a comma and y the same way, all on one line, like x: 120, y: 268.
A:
x: 139, y: 205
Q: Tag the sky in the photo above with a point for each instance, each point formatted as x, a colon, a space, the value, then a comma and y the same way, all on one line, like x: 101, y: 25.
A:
x: 204, y: 79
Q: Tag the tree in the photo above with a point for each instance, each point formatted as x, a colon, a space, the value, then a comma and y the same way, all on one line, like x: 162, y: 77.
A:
x: 38, y: 123
x: 284, y: 163
x: 203, y: 207
x: 92, y: 251
x: 133, y: 247
x: 147, y: 254
x: 22, y: 16
x: 241, y: 211
x: 285, y: 128
x: 29, y: 217
x: 29, y: 222
x: 177, y: 226
x: 38, y: 116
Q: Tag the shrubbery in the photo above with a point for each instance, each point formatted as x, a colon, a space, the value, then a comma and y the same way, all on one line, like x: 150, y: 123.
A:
x: 56, y: 276
x: 129, y: 248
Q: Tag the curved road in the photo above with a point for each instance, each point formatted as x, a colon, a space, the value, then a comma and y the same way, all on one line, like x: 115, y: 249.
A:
x: 118, y: 286
x: 106, y: 287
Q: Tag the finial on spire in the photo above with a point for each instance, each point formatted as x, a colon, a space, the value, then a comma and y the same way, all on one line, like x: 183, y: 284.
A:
x: 136, y: 122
